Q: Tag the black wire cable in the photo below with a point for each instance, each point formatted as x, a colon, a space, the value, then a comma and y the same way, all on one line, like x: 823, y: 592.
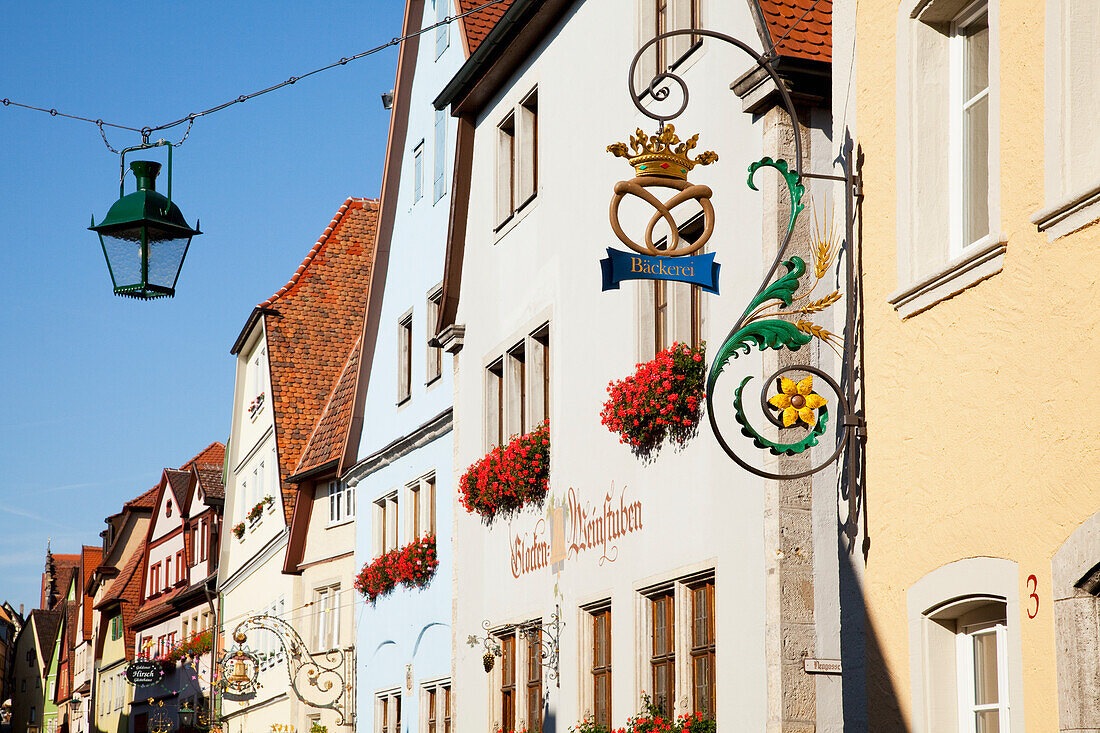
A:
x: 145, y: 132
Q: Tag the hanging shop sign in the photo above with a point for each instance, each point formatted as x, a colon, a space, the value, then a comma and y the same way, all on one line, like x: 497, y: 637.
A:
x: 144, y: 672
x: 662, y: 161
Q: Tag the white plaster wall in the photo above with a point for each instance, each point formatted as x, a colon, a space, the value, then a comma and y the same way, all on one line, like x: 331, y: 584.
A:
x: 699, y: 510
x: 157, y: 554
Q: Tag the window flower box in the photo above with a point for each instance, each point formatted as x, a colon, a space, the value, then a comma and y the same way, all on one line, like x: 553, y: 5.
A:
x: 238, y: 530
x: 412, y: 566
x: 509, y: 476
x: 663, y: 398
x: 256, y: 512
x: 192, y: 648
x: 256, y: 405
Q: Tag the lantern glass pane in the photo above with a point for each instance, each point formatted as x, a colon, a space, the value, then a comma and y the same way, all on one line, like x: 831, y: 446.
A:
x: 165, y: 260
x: 123, y: 250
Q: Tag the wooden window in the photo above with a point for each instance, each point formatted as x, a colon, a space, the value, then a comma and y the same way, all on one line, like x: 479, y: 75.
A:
x: 970, y: 31
x: 154, y: 581
x: 660, y: 315
x: 516, y: 385
x: 540, y: 387
x: 702, y: 649
x: 662, y: 16
x: 414, y: 508
x: 432, y: 702
x: 506, y: 170
x: 494, y: 408
x: 446, y: 709
x: 435, y: 353
x: 404, y: 358
x: 429, y: 490
x: 508, y: 684
x: 601, y: 667
x: 205, y: 540
x: 662, y: 660
x: 181, y: 567
x: 534, y: 679
x: 528, y: 163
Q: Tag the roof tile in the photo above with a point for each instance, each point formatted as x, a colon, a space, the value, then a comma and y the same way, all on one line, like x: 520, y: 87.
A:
x: 311, y: 325
x: 811, y: 21
x: 327, y: 441
x: 476, y: 26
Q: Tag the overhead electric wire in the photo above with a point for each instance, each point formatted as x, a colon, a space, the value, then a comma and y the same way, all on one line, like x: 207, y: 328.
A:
x: 145, y: 132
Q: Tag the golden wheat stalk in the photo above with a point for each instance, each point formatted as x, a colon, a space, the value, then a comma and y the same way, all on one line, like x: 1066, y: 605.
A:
x: 824, y: 241
x: 820, y: 305
x: 817, y: 331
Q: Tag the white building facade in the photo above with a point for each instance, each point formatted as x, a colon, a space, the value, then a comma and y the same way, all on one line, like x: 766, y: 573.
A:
x: 659, y: 578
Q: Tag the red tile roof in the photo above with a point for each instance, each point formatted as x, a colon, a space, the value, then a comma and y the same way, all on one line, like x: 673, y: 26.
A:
x: 476, y: 26
x: 90, y: 558
x: 327, y: 442
x: 812, y: 37
x: 147, y: 500
x: 46, y: 624
x: 213, y: 454
x: 311, y: 324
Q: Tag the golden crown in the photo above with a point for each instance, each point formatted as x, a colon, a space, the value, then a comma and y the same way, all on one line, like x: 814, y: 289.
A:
x: 662, y: 154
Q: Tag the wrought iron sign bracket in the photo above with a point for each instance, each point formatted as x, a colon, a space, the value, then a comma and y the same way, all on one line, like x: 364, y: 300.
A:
x: 316, y: 678
x: 780, y: 316
x: 548, y: 636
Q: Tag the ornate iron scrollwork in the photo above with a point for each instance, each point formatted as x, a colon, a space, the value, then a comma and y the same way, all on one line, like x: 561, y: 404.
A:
x: 779, y: 315
x: 316, y: 678
x: 548, y: 636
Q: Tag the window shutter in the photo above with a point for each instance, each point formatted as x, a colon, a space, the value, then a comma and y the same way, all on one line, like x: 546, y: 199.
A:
x: 440, y: 186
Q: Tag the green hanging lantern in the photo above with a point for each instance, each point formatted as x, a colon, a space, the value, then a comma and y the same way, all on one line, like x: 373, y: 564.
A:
x: 145, y: 237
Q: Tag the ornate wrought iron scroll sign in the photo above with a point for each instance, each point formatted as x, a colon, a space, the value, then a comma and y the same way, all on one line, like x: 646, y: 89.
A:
x: 779, y: 315
x: 547, y: 634
x: 316, y: 678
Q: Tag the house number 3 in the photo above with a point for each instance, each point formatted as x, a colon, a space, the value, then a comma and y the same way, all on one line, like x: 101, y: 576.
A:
x: 1033, y: 585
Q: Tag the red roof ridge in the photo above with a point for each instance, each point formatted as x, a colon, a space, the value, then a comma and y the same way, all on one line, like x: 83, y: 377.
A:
x: 215, y: 446
x: 351, y: 203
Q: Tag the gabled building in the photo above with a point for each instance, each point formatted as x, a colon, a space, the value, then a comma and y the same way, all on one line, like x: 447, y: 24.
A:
x: 678, y: 578
x: 174, y: 621
x: 116, y: 594
x: 403, y: 476
x: 291, y: 354
x: 34, y: 658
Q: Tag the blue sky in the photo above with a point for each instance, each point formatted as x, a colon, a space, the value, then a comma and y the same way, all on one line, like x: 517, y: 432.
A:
x: 100, y: 393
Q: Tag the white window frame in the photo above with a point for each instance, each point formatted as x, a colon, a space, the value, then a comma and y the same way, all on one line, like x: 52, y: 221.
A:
x: 932, y: 602
x: 931, y: 267
x: 327, y: 629
x: 418, y: 171
x: 960, y: 146
x: 517, y: 160
x: 341, y: 502
x: 442, y: 32
x: 514, y: 383
x: 437, y: 686
x: 433, y: 369
x: 1072, y: 158
x: 681, y: 588
x: 965, y: 639
x: 405, y: 334
x: 386, y: 533
x: 439, y: 154
x: 390, y: 700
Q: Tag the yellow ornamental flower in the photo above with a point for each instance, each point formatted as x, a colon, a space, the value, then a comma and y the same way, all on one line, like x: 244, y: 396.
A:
x: 797, y: 401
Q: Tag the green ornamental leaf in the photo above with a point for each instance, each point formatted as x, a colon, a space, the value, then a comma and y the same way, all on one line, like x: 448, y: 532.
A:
x: 776, y: 449
x: 794, y: 184
x: 772, y: 333
x: 783, y: 288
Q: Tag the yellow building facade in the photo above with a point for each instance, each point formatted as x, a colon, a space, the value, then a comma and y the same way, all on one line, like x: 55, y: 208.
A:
x: 980, y: 182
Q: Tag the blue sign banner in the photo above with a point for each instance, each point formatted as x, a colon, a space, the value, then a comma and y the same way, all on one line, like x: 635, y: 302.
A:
x: 699, y: 270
